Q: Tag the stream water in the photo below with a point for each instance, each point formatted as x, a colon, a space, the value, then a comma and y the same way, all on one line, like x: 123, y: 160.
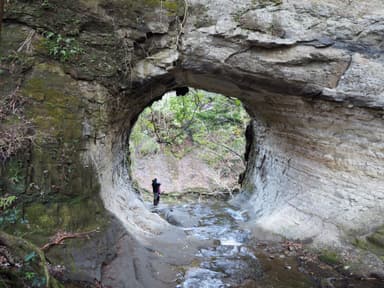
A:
x: 227, y: 261
x: 228, y: 256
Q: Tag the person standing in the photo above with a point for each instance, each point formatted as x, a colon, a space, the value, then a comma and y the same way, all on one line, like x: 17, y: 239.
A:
x: 156, y: 191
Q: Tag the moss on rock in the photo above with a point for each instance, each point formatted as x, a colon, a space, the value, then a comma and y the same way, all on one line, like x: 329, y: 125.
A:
x: 330, y: 257
x: 11, y: 38
x: 377, y: 238
x: 172, y: 6
x: 45, y: 219
x: 56, y: 189
x: 374, y: 242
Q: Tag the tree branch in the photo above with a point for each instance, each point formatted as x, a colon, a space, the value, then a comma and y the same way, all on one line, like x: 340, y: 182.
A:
x: 13, y: 241
x: 229, y: 149
x: 60, y: 236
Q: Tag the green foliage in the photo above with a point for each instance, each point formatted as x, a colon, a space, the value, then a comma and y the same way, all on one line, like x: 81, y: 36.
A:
x: 174, y: 7
x: 213, y: 123
x: 15, y: 172
x: 8, y: 216
x: 6, y: 202
x: 29, y: 275
x: 34, y: 279
x: 61, y: 48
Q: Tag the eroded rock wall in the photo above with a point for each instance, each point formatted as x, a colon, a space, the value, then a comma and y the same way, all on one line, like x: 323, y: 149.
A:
x: 319, y: 168
x: 316, y: 168
x: 310, y: 73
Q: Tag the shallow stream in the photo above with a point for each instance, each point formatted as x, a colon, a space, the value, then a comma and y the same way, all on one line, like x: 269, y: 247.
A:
x: 230, y: 257
x: 229, y: 260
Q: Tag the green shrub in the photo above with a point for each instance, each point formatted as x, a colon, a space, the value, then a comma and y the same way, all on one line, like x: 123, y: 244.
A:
x: 61, y: 48
x: 6, y: 202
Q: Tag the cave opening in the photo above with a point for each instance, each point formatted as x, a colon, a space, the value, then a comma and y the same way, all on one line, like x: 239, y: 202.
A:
x: 193, y: 141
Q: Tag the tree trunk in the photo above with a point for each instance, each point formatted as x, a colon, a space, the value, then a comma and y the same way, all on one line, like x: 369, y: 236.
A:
x: 13, y: 241
x: 1, y: 14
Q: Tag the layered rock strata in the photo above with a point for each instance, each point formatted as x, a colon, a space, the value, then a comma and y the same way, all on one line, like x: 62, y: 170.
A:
x: 309, y: 73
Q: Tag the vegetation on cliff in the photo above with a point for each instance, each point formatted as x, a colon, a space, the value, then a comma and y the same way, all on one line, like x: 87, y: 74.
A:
x: 43, y: 190
x: 207, y: 125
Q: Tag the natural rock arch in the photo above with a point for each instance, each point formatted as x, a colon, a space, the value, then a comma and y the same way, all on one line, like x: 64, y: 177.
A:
x: 304, y: 178
x: 316, y: 163
x: 310, y: 73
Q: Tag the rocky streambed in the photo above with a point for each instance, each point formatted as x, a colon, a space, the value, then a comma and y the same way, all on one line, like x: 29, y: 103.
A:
x: 232, y: 256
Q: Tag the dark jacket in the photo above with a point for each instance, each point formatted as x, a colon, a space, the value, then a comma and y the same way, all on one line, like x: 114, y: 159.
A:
x: 155, y: 186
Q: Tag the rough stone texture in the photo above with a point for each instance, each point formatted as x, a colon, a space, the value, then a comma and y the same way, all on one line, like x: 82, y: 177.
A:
x: 309, y: 72
x: 313, y: 153
x: 317, y: 167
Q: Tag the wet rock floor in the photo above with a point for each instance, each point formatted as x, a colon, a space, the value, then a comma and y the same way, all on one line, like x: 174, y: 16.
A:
x: 235, y: 258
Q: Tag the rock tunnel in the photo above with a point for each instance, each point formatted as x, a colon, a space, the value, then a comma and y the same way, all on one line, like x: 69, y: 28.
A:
x: 312, y: 87
x: 310, y: 164
x: 316, y: 162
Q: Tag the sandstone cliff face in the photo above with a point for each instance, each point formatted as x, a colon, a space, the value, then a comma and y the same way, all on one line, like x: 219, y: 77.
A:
x: 310, y: 73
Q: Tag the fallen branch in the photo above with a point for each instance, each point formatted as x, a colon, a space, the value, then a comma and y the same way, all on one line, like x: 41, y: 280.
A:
x: 27, y: 43
x: 60, y: 236
x: 13, y: 241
